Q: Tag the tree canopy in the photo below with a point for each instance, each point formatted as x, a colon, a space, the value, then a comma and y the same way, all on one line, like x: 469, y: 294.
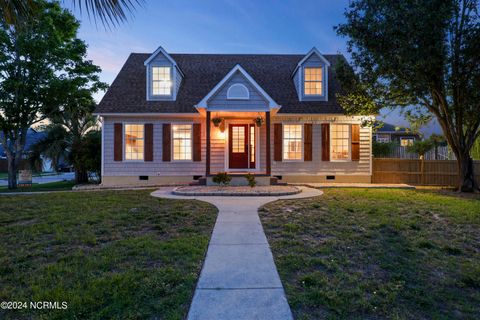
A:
x: 43, y: 72
x: 417, y: 54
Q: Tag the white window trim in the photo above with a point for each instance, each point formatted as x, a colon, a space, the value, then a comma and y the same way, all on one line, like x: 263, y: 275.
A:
x: 227, y: 149
x: 230, y: 97
x: 349, y: 142
x: 324, y: 89
x: 124, y: 151
x: 171, y: 94
x: 405, y: 138
x: 377, y: 136
x: 172, y: 140
x: 302, y: 145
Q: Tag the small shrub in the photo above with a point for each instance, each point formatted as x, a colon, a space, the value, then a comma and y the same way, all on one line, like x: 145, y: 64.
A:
x: 251, y: 180
x: 222, y: 178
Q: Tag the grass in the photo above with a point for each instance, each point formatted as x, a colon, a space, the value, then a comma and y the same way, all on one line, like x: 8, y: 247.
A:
x: 36, y: 187
x: 376, y: 254
x: 109, y: 255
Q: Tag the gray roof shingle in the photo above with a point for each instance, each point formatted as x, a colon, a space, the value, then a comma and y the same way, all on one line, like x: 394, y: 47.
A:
x: 127, y: 94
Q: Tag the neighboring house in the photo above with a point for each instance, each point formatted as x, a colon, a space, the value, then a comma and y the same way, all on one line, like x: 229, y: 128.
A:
x: 160, y: 120
x: 390, y: 133
x: 33, y: 136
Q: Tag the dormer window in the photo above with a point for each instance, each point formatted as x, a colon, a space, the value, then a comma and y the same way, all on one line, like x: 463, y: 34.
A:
x: 238, y: 91
x: 161, y: 81
x: 313, y: 81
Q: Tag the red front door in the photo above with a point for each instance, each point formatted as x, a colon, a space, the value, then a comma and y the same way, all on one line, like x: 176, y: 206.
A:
x: 238, y: 146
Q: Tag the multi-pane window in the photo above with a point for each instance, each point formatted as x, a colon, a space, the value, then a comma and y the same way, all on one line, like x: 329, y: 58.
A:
x: 405, y: 142
x: 252, y: 144
x: 182, y: 141
x: 313, y: 81
x: 292, y: 142
x: 340, y: 141
x: 238, y: 139
x: 383, y: 137
x: 161, y: 81
x: 134, y: 141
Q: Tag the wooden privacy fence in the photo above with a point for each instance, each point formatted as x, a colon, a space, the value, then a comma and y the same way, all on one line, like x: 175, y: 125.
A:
x: 412, y: 171
x: 442, y: 153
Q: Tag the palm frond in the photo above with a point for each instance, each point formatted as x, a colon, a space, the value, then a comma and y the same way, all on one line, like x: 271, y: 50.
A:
x: 109, y: 12
x: 13, y: 11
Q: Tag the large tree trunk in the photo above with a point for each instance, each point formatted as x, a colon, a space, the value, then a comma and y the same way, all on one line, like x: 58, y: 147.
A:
x: 466, y: 174
x: 12, y: 171
x: 81, y: 176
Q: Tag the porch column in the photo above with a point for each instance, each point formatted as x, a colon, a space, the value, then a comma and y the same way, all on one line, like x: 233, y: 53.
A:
x: 207, y: 160
x: 269, y: 151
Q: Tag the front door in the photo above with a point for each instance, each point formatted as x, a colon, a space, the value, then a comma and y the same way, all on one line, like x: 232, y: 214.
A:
x: 238, y: 146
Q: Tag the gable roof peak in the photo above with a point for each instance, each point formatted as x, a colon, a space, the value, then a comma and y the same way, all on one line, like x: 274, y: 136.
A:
x: 162, y: 51
x: 237, y: 68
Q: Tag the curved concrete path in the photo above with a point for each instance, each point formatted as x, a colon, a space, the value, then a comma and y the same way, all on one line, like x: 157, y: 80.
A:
x: 239, y: 279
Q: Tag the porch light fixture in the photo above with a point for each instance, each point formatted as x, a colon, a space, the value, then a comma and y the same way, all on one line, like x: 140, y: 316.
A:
x: 222, y: 127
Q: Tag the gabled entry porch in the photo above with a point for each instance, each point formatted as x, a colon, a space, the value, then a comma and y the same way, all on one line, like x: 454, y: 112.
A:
x: 238, y: 119
x: 237, y: 144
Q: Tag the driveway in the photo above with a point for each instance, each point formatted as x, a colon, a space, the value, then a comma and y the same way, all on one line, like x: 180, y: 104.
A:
x: 46, y: 179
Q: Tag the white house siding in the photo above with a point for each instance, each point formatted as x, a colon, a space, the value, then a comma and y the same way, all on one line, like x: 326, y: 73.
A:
x: 157, y: 167
x: 317, y: 167
x: 219, y: 100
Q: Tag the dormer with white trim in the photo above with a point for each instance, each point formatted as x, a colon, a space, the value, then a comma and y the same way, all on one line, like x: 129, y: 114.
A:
x: 164, y: 77
x: 311, y: 77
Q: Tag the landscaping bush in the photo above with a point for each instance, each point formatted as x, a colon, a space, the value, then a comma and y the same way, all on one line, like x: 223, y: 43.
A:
x: 222, y: 178
x: 251, y: 180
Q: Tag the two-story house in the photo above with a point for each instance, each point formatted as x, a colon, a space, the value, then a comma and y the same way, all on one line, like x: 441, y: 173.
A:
x: 170, y: 118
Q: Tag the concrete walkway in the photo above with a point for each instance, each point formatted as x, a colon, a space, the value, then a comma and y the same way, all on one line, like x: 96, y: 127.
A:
x: 239, y: 279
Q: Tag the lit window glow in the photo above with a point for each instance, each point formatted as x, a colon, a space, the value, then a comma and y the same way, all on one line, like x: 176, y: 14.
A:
x: 238, y: 139
x: 292, y: 142
x: 161, y: 81
x: 252, y: 144
x: 340, y: 141
x: 405, y: 142
x: 313, y: 81
x: 134, y: 141
x: 182, y: 142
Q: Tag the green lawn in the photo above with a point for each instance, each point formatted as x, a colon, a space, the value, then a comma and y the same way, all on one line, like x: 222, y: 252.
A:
x: 51, y: 186
x: 109, y: 255
x: 376, y: 254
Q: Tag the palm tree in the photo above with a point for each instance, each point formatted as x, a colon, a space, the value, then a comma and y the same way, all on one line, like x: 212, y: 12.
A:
x: 54, y: 146
x: 109, y: 12
x: 64, y: 140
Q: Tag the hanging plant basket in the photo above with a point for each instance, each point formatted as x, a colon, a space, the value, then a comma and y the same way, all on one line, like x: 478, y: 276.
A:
x: 259, y: 121
x: 217, y: 121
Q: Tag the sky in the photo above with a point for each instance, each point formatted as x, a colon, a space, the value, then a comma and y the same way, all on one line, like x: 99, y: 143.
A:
x: 219, y: 26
